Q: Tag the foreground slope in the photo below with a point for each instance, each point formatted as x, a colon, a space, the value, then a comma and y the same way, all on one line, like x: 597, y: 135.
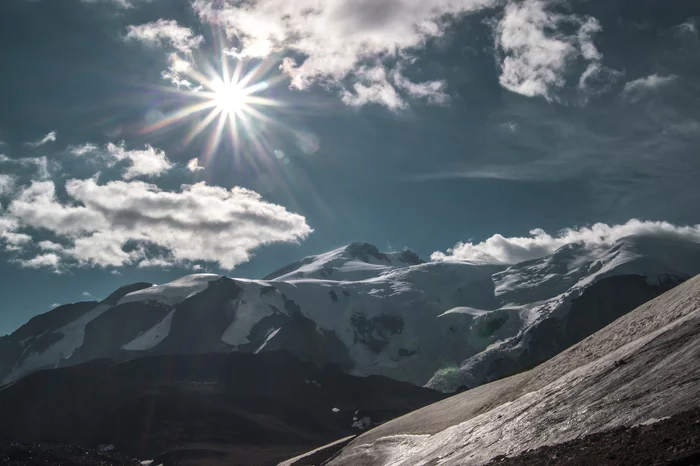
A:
x: 444, y: 324
x: 642, y: 367
x: 202, y: 409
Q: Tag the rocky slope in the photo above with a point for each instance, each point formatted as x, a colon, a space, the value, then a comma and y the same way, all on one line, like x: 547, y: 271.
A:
x: 445, y: 324
x: 201, y: 409
x: 639, y: 369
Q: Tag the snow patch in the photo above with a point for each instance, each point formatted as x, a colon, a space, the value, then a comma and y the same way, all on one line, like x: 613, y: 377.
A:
x: 153, y: 336
x: 73, y: 337
x: 174, y: 292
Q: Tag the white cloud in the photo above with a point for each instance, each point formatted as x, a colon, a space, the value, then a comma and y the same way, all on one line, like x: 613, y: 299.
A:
x: 44, y: 260
x: 166, y: 33
x: 50, y: 137
x: 374, y: 87
x: 119, y: 3
x: 136, y: 223
x: 537, y: 55
x: 634, y: 89
x: 147, y: 162
x: 83, y: 149
x: 432, y: 92
x: 502, y: 250
x: 7, y: 183
x: 689, y: 26
x: 194, y: 166
x: 8, y: 234
x: 330, y: 42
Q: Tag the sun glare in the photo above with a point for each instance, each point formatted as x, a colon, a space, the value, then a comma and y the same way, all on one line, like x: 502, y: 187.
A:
x: 232, y: 100
x: 229, y: 97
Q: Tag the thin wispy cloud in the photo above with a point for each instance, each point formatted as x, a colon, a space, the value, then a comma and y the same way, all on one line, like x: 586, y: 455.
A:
x: 7, y: 183
x: 41, y: 166
x: 50, y: 137
x: 125, y: 4
x: 83, y: 149
x: 638, y: 87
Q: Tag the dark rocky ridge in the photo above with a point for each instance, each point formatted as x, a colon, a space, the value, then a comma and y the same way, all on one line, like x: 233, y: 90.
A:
x: 43, y: 454
x: 209, y: 407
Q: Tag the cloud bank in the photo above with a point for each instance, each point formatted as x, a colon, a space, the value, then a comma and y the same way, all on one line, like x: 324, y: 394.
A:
x: 355, y: 47
x: 501, y: 250
x: 134, y: 223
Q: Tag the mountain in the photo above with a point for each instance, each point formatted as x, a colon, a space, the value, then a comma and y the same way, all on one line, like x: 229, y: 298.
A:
x: 449, y: 325
x: 201, y: 409
x: 637, y: 371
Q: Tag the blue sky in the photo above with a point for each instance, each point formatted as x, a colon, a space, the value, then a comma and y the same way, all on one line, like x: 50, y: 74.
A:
x: 427, y: 124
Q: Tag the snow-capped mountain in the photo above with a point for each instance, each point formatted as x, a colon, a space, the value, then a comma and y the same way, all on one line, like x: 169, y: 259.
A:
x: 447, y: 324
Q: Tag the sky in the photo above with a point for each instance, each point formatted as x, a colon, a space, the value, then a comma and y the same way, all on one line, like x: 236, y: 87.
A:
x: 141, y: 140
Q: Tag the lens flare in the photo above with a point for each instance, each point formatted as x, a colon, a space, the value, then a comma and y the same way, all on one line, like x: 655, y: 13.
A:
x: 231, y: 99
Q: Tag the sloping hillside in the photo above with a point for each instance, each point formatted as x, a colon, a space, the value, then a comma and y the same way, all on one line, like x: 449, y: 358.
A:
x: 641, y: 367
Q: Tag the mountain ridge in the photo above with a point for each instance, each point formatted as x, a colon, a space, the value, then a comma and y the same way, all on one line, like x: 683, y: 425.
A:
x: 446, y: 324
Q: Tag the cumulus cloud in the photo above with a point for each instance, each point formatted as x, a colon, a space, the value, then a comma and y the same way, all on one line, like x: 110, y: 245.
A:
x: 50, y: 260
x: 502, y: 250
x: 537, y: 54
x: 50, y: 137
x: 167, y: 33
x: 8, y: 234
x: 146, y: 162
x: 634, y: 89
x: 135, y: 223
x: 331, y: 41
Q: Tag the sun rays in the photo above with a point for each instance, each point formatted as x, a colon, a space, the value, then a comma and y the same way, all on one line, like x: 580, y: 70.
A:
x: 228, y: 100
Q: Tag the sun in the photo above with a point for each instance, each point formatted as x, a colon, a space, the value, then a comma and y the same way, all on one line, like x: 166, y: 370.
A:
x: 231, y: 98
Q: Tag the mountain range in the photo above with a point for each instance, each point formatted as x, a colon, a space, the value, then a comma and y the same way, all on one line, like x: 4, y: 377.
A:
x: 447, y: 325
